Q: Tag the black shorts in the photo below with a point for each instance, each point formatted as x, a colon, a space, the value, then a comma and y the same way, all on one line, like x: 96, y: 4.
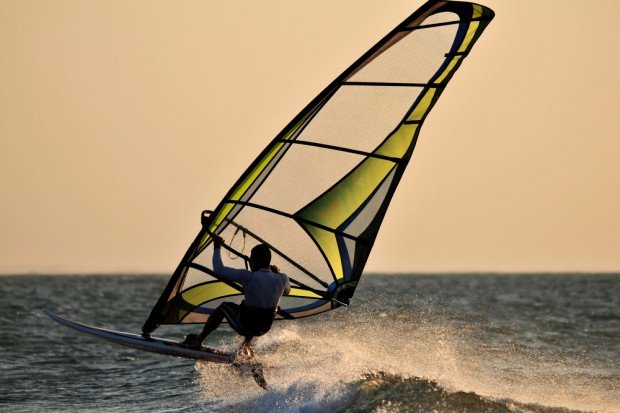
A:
x: 248, y: 321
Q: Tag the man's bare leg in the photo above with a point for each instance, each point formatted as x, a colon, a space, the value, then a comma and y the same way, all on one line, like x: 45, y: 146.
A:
x: 213, y: 322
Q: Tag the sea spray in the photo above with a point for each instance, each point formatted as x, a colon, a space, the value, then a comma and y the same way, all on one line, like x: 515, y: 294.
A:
x: 332, y: 362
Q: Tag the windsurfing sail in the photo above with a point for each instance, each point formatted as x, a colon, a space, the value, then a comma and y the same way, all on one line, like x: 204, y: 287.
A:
x: 319, y: 191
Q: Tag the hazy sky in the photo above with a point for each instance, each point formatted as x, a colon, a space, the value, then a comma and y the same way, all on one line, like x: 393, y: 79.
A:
x: 121, y: 120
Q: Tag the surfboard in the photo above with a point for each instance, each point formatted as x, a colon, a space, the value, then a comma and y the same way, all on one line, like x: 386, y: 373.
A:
x: 164, y: 346
x: 152, y: 344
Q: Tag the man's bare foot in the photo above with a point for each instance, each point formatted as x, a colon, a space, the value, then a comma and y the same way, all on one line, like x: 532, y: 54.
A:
x: 245, y: 351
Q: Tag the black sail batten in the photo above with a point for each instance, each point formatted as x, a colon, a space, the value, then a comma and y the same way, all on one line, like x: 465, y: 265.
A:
x: 309, y: 112
x: 393, y: 84
x: 429, y: 26
x: 241, y: 255
x: 296, y: 218
x: 318, y: 193
x: 343, y: 149
x: 280, y: 253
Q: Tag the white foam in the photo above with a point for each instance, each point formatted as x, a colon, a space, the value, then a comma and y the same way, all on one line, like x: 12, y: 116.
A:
x: 311, y: 364
x: 312, y: 371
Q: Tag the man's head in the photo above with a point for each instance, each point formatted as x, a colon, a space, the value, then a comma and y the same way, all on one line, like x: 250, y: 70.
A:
x: 260, y: 257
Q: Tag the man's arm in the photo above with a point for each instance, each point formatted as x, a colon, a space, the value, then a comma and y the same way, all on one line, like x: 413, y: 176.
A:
x: 287, y: 285
x: 287, y: 282
x: 227, y: 273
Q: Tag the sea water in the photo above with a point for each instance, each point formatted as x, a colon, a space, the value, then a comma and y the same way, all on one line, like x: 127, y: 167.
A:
x: 408, y: 343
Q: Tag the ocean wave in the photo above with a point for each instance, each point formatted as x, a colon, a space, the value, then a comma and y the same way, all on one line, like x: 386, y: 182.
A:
x: 419, y: 345
x: 375, y: 392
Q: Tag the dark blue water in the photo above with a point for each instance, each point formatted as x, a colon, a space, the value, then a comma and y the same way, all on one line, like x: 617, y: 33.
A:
x: 493, y: 343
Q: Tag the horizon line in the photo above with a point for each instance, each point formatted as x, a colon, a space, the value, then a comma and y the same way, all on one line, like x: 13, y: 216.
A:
x: 370, y: 273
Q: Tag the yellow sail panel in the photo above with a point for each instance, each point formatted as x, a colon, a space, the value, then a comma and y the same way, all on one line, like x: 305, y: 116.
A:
x: 471, y: 32
x: 423, y: 105
x: 329, y: 245
x: 396, y: 145
x: 299, y: 292
x: 207, y: 292
x: 478, y: 10
x: 252, y: 176
x: 340, y: 202
x: 195, y: 296
x: 455, y: 60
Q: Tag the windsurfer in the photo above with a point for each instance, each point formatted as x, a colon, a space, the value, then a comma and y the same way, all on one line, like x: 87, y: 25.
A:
x: 263, y: 287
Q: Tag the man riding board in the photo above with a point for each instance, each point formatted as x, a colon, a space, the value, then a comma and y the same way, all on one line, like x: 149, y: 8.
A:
x: 263, y: 286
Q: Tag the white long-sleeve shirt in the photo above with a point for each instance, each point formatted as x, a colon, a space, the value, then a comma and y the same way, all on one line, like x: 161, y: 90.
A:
x: 262, y: 288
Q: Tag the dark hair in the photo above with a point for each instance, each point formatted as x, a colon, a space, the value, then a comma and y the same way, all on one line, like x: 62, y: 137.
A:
x: 261, y: 255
